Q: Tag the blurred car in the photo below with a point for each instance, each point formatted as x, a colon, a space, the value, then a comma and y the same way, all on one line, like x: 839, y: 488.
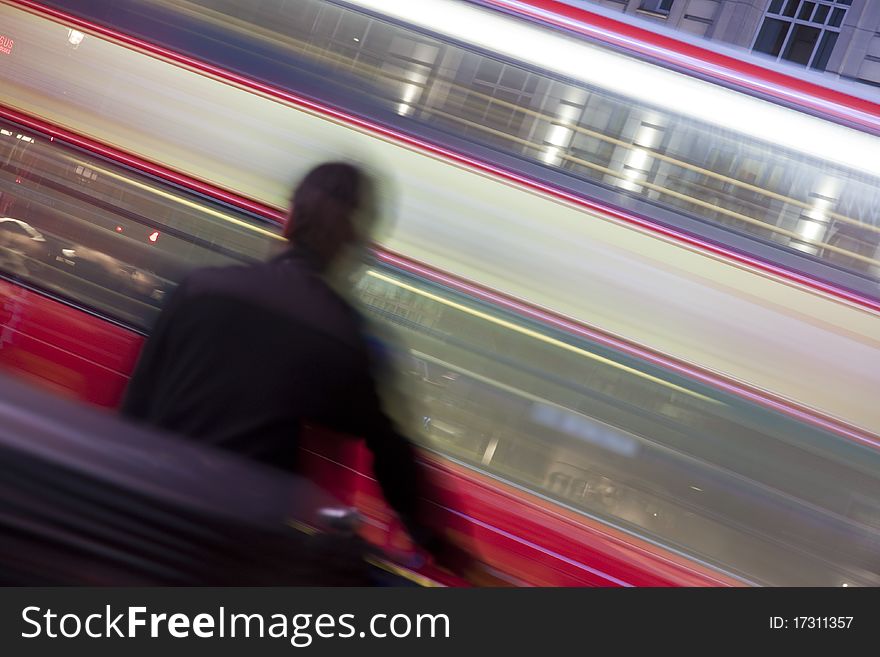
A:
x: 19, y: 242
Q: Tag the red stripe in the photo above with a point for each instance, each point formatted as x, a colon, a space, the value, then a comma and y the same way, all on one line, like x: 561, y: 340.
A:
x: 141, y: 164
x: 762, y: 397
x: 548, y: 317
x: 741, y: 259
x: 518, y: 306
x: 543, y: 315
x: 703, y: 61
x: 533, y: 502
x: 699, y: 60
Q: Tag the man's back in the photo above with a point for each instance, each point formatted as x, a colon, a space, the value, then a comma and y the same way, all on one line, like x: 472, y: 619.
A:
x: 244, y: 355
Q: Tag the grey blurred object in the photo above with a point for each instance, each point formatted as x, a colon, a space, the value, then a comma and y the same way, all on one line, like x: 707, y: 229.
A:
x: 87, y: 499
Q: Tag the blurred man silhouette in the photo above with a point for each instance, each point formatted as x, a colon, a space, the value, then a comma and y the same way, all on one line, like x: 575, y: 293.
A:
x: 242, y: 356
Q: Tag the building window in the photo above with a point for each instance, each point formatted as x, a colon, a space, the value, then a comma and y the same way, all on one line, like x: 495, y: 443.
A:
x: 661, y: 7
x: 801, y: 31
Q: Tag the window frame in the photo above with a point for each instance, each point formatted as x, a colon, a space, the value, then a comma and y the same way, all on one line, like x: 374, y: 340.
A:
x: 793, y: 22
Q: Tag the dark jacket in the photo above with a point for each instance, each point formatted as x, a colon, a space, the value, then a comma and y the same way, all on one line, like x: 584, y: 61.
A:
x: 242, y: 356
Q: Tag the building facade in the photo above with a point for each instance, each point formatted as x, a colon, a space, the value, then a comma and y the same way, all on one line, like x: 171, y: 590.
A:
x: 841, y: 37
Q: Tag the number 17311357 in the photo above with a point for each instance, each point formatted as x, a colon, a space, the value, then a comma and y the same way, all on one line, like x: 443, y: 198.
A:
x: 811, y: 622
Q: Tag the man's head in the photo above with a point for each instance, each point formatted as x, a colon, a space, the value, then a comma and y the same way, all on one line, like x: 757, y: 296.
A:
x: 325, y: 208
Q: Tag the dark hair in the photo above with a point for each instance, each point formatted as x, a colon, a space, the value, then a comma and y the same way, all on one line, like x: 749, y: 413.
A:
x: 323, y: 208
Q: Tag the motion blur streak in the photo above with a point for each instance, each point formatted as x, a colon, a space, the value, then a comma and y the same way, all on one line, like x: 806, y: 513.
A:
x: 191, y: 204
x: 848, y: 105
x: 678, y: 93
x: 532, y: 334
x: 606, y: 468
x: 848, y: 243
x: 558, y: 255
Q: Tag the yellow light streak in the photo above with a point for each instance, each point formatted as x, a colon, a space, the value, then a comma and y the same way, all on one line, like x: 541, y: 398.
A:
x: 182, y: 200
x: 536, y: 335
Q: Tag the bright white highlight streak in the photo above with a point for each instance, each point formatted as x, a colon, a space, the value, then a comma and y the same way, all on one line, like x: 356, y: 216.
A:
x: 704, y: 101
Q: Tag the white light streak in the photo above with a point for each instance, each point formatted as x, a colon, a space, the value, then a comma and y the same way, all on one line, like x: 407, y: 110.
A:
x: 641, y: 81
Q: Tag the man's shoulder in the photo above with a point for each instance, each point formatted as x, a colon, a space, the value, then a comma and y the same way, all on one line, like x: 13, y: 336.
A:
x: 285, y: 289
x: 257, y: 282
x: 215, y: 279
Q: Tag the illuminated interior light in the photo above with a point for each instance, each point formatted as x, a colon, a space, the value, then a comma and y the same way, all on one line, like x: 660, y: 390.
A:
x: 804, y: 247
x: 409, y: 93
x: 642, y: 81
x: 568, y: 113
x: 814, y: 221
x: 154, y: 236
x: 637, y: 162
x: 648, y: 136
x: 551, y: 155
x: 810, y: 230
x: 119, y: 229
x: 558, y: 135
x: 356, y: 40
x: 635, y: 167
x: 830, y: 188
x: 629, y: 184
x: 75, y: 37
x: 6, y: 132
x: 819, y: 211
